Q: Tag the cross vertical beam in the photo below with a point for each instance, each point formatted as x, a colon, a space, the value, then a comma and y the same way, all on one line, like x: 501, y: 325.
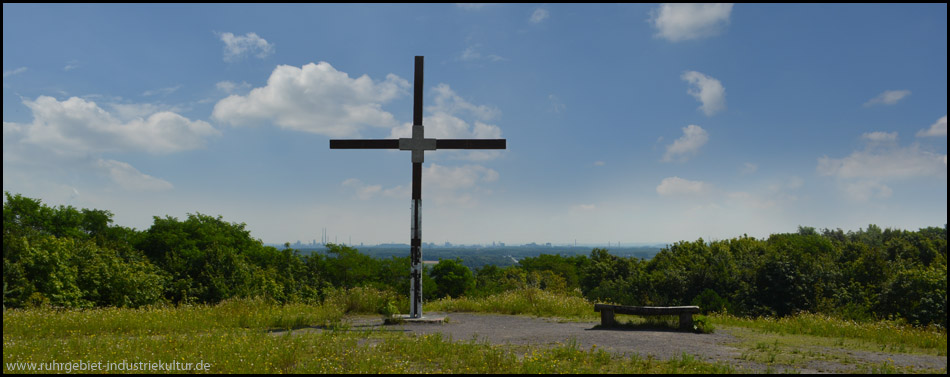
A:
x: 415, y: 242
x: 417, y: 144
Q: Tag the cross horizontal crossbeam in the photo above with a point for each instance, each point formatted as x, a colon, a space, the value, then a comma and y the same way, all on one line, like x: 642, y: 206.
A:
x: 418, y: 144
x: 439, y: 144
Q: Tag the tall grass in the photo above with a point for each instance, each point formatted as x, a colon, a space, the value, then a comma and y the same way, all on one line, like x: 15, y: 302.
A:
x: 363, y: 300
x: 235, y: 313
x: 530, y: 301
x: 891, y: 333
x: 234, y: 337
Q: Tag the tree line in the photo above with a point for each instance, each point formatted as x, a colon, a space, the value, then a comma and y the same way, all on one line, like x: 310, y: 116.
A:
x: 65, y: 257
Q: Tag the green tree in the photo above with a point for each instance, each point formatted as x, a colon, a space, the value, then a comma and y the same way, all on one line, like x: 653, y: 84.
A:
x: 452, y: 278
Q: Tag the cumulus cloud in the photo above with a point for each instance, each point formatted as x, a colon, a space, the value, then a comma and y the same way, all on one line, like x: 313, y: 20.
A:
x: 130, y: 178
x: 237, y: 47
x: 676, y: 186
x: 446, y: 101
x: 862, y: 175
x: 74, y: 133
x: 315, y: 98
x: 938, y: 129
x: 693, y: 138
x: 80, y: 126
x: 445, y: 121
x: 539, y: 15
x: 889, y: 97
x: 893, y: 163
x: 680, y: 22
x: 707, y: 90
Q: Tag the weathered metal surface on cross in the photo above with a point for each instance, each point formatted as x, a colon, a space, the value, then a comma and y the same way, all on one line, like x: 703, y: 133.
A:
x: 417, y: 144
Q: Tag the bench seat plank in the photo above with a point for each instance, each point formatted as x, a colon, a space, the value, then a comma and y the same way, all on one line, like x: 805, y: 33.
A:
x: 685, y: 312
x: 647, y: 310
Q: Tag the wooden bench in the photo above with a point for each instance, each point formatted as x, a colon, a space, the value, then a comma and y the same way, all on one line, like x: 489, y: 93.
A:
x: 685, y: 313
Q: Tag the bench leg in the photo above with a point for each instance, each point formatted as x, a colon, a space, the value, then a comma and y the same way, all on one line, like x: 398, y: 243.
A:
x: 607, y: 318
x: 686, y: 321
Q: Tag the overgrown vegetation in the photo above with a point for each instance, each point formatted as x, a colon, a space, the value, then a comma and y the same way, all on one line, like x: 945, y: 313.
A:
x: 246, y: 335
x: 61, y: 257
x: 236, y: 336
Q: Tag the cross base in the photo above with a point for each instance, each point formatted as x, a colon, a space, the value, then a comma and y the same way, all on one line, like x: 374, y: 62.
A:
x: 438, y: 319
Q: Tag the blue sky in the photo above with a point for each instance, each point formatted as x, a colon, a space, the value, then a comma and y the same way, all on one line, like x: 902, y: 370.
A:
x: 633, y: 123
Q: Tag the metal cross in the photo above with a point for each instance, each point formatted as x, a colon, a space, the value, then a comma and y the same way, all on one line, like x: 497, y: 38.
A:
x: 418, y: 144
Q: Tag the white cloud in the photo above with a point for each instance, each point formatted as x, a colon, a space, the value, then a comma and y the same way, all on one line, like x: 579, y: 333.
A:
x: 863, y: 174
x: 893, y: 163
x: 128, y: 111
x: 72, y: 134
x: 13, y: 72
x: 863, y: 191
x: 73, y: 64
x: 69, y: 137
x: 447, y: 101
x: 889, y: 97
x: 456, y: 185
x: 707, y: 90
x: 130, y: 178
x: 315, y: 98
x: 693, y: 138
x: 539, y: 15
x: 236, y: 47
x: 363, y: 191
x: 457, y: 178
x: 472, y: 54
x: 445, y: 122
x: 231, y: 87
x: 471, y: 6
x: 680, y: 22
x: 599, y: 163
x: 162, y: 91
x: 675, y: 186
x: 880, y: 137
x: 77, y: 126
x: 938, y: 129
x: 749, y: 168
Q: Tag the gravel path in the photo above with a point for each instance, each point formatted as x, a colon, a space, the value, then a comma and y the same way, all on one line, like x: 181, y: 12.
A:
x: 720, y: 346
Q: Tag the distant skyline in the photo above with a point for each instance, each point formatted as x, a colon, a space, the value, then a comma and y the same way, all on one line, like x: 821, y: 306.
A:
x: 631, y: 123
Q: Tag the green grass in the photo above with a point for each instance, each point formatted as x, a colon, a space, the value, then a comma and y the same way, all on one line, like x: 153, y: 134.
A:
x: 236, y: 337
x: 885, y: 336
x: 530, y: 301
